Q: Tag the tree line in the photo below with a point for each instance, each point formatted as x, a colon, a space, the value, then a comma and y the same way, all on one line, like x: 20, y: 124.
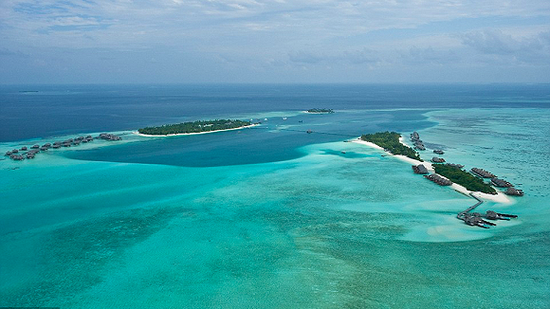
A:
x: 195, y: 127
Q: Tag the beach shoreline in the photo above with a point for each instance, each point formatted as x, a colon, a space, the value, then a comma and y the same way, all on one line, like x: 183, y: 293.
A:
x: 403, y: 158
x: 195, y: 133
x: 498, y: 198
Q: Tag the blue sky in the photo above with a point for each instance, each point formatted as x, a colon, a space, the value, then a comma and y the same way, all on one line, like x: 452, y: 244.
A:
x: 277, y: 41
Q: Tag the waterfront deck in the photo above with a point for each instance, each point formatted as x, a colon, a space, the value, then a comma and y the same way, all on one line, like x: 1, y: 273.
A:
x: 478, y: 219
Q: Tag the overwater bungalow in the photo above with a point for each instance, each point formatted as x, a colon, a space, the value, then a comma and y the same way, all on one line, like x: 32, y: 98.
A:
x: 438, y: 179
x: 24, y: 148
x: 36, y: 146
x: 109, y: 137
x: 15, y: 151
x: 459, y: 166
x: 501, y: 183
x: 415, y: 136
x: 438, y: 160
x: 420, y: 169
x: 513, y: 191
x: 420, y: 147
x: 476, y: 221
x: 439, y: 151
x: 8, y: 153
x: 482, y: 173
x: 17, y: 157
x: 493, y: 215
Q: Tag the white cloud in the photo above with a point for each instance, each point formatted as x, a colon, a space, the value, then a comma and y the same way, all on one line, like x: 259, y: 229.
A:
x: 75, y: 21
x: 314, y: 33
x: 534, y: 49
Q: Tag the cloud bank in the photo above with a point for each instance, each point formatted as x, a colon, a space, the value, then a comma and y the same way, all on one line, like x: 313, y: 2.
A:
x: 274, y: 41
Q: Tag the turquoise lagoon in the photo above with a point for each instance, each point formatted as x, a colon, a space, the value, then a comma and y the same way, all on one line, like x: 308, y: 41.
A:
x: 271, y: 217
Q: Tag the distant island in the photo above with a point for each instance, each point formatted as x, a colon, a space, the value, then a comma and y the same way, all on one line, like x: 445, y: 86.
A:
x: 196, y: 127
x: 320, y: 111
x: 390, y: 142
x: 463, y: 178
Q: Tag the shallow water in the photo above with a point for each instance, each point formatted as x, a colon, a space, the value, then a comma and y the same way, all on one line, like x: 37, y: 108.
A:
x: 272, y: 218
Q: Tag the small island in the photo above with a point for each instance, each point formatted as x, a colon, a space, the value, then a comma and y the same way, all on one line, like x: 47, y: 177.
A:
x: 195, y: 127
x: 390, y: 142
x: 463, y: 178
x: 320, y: 111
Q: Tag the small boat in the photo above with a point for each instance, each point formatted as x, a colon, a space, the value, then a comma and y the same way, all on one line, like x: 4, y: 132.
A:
x: 343, y: 152
x: 309, y: 131
x: 284, y: 118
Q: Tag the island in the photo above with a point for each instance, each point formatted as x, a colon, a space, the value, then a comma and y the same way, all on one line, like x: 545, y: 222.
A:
x: 320, y: 111
x: 390, y: 142
x: 463, y: 178
x: 195, y: 127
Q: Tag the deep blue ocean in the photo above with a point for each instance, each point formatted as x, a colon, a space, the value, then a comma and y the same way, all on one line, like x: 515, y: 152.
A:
x: 40, y: 111
x: 270, y: 216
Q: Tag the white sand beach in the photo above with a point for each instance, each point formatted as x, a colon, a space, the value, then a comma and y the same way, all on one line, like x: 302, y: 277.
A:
x: 428, y: 165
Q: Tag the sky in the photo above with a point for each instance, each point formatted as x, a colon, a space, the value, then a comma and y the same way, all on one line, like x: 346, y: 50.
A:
x: 277, y: 41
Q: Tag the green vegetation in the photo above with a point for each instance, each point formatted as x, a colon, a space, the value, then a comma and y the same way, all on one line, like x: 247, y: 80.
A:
x: 195, y: 127
x: 390, y: 142
x: 320, y: 111
x: 463, y: 178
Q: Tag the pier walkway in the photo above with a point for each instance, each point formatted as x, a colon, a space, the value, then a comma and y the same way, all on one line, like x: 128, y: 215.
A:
x: 477, y: 219
x: 462, y: 213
